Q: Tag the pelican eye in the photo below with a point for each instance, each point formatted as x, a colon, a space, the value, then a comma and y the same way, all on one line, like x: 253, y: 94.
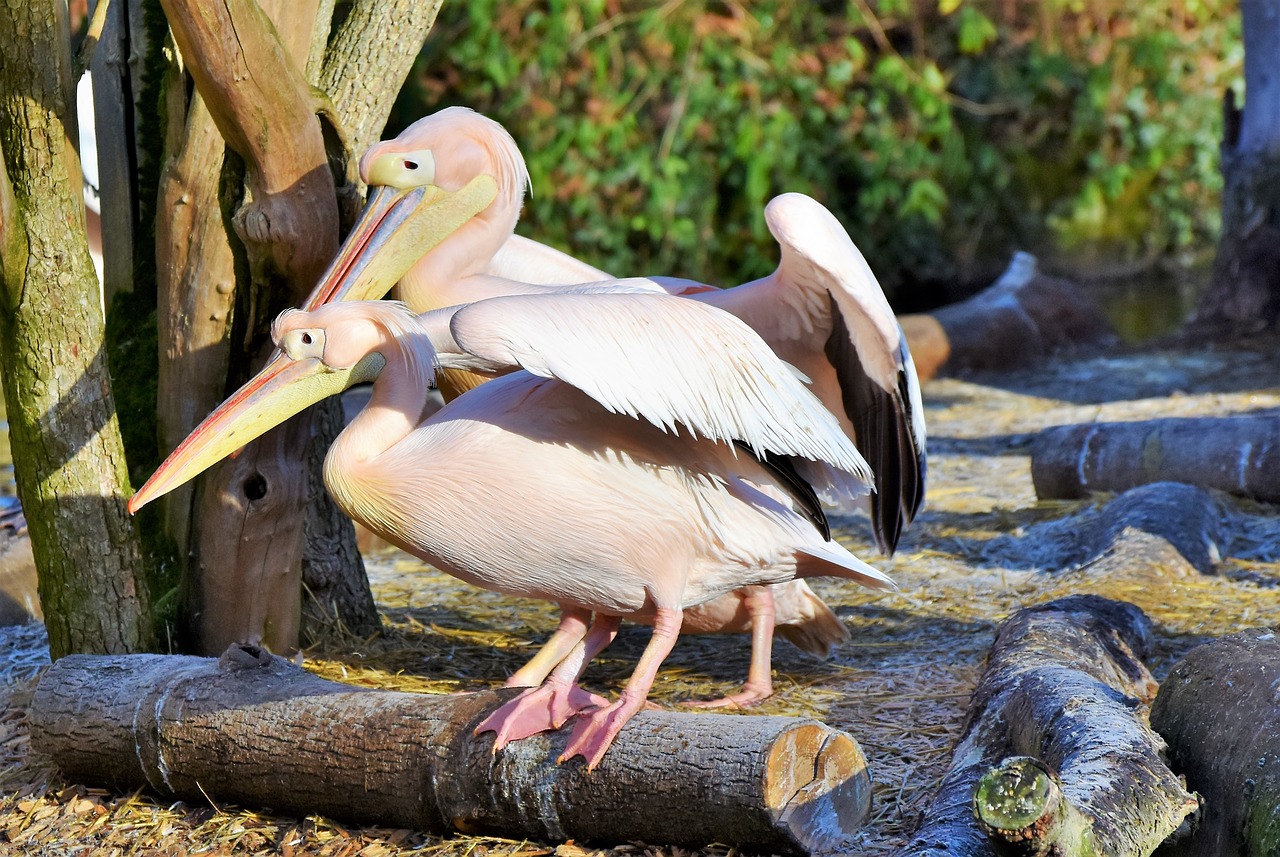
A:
x: 303, y: 343
x: 404, y: 170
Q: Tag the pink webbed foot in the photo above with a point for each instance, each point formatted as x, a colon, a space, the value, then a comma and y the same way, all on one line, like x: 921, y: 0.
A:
x: 538, y: 709
x: 595, y: 732
x: 745, y: 698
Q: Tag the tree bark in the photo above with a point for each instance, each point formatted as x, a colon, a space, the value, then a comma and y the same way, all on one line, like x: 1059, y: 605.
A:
x: 247, y: 566
x: 1022, y: 317
x: 197, y: 728
x: 1065, y: 684
x: 1217, y: 709
x: 197, y: 293
x: 195, y: 289
x: 265, y: 111
x: 1239, y: 455
x: 246, y: 574
x: 68, y: 455
x: 115, y: 69
x: 1244, y: 288
x: 363, y: 70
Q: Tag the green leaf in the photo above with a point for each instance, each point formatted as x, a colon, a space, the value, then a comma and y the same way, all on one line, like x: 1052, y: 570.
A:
x: 926, y: 198
x: 976, y: 31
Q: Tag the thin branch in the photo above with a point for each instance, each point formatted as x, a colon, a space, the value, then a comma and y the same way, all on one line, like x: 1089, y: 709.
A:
x: 91, y: 39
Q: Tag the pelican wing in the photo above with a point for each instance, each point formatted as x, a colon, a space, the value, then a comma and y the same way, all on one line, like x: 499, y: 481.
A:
x: 824, y: 283
x: 674, y: 362
x: 530, y: 261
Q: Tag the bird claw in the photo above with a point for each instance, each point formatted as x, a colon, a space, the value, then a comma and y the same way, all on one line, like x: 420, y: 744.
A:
x: 538, y: 709
x: 594, y: 734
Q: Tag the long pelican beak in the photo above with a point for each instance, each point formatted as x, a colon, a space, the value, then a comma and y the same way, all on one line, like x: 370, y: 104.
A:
x: 283, y: 388
x: 396, y: 229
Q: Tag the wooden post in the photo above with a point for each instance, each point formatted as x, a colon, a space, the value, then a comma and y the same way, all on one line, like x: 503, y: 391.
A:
x: 258, y: 730
x: 116, y: 69
x: 1065, y: 684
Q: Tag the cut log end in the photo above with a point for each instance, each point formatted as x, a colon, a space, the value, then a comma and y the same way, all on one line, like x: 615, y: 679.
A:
x: 1021, y: 807
x: 1017, y: 798
x: 817, y: 786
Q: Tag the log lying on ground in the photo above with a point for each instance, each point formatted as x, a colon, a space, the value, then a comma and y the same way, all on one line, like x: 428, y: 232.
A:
x: 1020, y: 318
x: 1239, y: 455
x: 1219, y: 711
x: 1066, y: 685
x: 1191, y: 520
x: 257, y: 730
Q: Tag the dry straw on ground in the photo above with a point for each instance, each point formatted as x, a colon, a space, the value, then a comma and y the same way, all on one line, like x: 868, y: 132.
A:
x: 900, y: 686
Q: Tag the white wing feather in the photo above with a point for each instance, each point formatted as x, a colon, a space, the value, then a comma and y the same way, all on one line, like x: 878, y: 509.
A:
x: 674, y: 362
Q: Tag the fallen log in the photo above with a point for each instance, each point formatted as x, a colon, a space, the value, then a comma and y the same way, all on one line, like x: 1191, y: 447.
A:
x: 1020, y: 318
x: 1191, y: 520
x: 255, y: 729
x: 1065, y: 684
x: 1239, y: 455
x: 1218, y: 711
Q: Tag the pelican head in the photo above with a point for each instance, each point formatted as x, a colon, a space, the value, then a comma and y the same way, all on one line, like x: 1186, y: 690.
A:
x: 438, y: 176
x: 316, y: 358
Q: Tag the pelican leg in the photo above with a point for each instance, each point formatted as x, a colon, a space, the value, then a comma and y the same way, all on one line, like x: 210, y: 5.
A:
x: 546, y: 708
x: 574, y: 622
x: 596, y: 730
x: 759, y: 685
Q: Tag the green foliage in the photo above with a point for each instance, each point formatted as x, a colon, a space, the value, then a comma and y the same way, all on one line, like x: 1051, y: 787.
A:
x: 944, y: 134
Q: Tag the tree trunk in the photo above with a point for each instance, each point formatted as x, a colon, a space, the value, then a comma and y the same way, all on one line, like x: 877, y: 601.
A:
x: 200, y: 729
x: 195, y: 288
x: 1239, y: 455
x: 335, y: 586
x: 362, y: 72
x: 1217, y: 709
x: 115, y: 81
x: 246, y: 574
x: 1244, y: 289
x: 68, y: 456
x: 249, y: 555
x: 1065, y: 684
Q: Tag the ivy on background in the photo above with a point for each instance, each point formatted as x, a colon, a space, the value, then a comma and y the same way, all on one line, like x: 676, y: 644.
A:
x: 943, y: 133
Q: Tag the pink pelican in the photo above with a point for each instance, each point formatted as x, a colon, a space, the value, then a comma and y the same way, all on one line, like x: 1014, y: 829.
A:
x: 692, y: 454
x: 822, y: 310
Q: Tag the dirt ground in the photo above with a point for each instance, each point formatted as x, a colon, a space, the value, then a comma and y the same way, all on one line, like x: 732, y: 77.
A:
x: 984, y: 547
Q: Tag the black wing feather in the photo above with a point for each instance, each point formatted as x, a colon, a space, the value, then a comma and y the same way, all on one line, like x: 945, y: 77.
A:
x: 883, y: 434
x: 783, y: 467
